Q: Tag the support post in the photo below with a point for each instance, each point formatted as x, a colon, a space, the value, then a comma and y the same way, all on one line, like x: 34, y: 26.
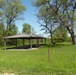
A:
x: 23, y: 42
x: 16, y: 42
x: 45, y: 41
x: 37, y: 41
x: 30, y: 43
x: 42, y: 41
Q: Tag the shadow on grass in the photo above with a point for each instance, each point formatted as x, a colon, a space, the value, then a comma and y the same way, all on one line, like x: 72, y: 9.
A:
x: 25, y: 47
x: 57, y: 45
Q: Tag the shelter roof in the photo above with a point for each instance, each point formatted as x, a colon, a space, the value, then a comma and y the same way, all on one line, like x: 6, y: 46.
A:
x: 25, y: 36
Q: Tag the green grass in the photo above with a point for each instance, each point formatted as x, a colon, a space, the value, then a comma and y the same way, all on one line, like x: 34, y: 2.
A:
x: 62, y: 61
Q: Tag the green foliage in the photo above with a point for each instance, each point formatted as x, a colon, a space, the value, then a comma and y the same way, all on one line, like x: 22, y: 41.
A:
x: 2, y: 33
x: 40, y: 2
x: 26, y: 28
x: 10, y: 11
x: 13, y: 31
x: 60, y: 34
x: 46, y: 21
x: 41, y: 15
x: 62, y: 11
x: 1, y: 14
x: 35, y: 62
x: 15, y: 12
x: 68, y: 39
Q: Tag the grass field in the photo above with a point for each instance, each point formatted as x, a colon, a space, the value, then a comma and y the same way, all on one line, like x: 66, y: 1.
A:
x: 35, y: 62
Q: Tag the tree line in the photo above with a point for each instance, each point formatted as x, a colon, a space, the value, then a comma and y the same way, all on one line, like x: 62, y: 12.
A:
x: 56, y: 17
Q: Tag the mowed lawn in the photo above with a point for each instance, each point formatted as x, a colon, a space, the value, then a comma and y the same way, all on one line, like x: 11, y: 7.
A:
x: 35, y: 62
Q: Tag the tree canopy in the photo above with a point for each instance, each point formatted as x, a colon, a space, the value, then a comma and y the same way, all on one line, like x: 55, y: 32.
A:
x: 11, y: 10
x: 26, y: 28
x: 62, y: 11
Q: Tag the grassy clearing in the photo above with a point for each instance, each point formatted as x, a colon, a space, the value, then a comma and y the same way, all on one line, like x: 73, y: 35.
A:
x: 63, y: 61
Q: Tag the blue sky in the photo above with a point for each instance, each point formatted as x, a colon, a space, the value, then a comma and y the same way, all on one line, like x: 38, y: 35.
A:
x: 29, y: 16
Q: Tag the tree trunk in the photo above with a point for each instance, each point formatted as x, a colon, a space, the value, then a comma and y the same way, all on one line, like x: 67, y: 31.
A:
x: 73, y: 39
x: 72, y: 36
x: 72, y: 29
x: 52, y: 41
x: 51, y: 38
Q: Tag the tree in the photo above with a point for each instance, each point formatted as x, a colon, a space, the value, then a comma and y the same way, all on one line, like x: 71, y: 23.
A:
x: 26, y: 28
x: 13, y: 30
x: 63, y: 11
x: 33, y: 30
x: 2, y: 33
x: 46, y: 21
x: 60, y: 34
x: 12, y: 11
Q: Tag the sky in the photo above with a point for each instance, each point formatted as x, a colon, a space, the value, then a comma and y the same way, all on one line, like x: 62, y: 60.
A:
x: 29, y: 17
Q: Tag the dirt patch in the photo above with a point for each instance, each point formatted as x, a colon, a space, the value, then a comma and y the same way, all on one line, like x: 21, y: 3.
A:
x: 8, y: 74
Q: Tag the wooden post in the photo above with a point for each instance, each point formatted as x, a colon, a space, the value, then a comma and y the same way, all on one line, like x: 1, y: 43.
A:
x: 30, y: 43
x: 4, y: 44
x: 48, y: 54
x: 23, y: 42
x: 45, y: 41
x: 16, y: 42
x: 37, y: 41
x: 42, y: 41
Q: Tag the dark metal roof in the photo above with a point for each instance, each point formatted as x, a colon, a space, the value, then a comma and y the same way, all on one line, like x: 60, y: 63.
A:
x: 25, y: 36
